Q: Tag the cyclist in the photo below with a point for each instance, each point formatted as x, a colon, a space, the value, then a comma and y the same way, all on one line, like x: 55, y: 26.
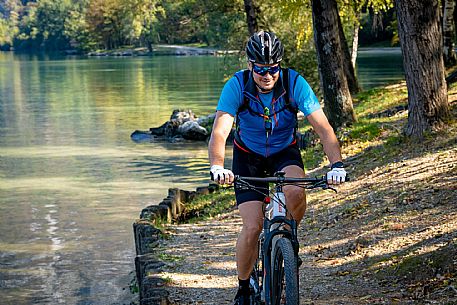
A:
x: 265, y: 140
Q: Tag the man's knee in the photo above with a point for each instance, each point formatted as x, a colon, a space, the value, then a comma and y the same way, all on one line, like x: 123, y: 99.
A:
x: 252, y: 230
x: 295, y: 195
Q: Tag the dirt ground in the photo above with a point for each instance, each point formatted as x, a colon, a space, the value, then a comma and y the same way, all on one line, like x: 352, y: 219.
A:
x: 389, y: 236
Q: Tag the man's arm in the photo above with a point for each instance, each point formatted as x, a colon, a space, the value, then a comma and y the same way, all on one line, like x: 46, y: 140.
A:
x: 216, y: 149
x: 326, y: 134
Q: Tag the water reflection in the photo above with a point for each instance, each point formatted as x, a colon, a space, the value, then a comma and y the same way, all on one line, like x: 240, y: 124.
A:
x: 72, y: 181
x: 386, y: 68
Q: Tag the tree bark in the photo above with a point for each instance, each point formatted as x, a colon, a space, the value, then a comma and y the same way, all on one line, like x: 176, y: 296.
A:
x: 349, y: 69
x: 250, y: 16
x: 355, y: 43
x: 448, y: 33
x: 330, y: 56
x: 454, y: 14
x: 421, y: 44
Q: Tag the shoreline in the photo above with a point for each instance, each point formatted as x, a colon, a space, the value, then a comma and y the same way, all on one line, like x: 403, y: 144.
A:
x: 158, y: 50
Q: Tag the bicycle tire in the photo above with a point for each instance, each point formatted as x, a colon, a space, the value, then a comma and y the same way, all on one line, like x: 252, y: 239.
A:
x: 284, y: 274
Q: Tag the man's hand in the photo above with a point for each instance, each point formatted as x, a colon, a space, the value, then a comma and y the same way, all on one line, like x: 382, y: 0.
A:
x: 337, y: 174
x: 221, y: 175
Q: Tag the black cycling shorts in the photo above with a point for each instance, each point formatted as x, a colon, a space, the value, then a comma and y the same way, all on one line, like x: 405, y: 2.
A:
x: 250, y: 164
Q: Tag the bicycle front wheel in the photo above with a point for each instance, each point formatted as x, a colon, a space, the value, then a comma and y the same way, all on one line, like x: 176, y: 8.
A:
x: 284, y: 274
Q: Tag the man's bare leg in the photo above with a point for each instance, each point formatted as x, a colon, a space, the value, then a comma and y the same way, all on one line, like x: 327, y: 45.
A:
x: 247, y: 244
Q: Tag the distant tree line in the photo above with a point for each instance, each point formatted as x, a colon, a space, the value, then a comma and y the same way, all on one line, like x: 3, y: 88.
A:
x: 109, y: 24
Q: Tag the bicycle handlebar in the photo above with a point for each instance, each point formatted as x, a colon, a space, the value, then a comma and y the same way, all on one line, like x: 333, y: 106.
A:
x: 281, y: 179
x: 308, y: 183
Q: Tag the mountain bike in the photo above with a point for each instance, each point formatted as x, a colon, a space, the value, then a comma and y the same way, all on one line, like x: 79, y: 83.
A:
x: 275, y: 275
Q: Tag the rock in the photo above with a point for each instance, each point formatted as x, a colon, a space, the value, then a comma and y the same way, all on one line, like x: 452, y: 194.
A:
x: 159, y: 131
x: 148, y: 266
x: 180, y: 116
x: 142, y: 136
x: 183, y: 125
x: 146, y: 237
x: 206, y: 121
x: 190, y: 130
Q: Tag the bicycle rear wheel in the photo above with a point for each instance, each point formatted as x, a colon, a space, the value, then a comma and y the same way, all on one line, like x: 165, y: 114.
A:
x: 284, y: 274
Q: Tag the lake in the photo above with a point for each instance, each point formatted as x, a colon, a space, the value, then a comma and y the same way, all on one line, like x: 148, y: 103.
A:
x: 71, y: 180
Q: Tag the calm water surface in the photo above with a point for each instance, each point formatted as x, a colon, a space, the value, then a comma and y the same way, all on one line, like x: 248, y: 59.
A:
x: 71, y: 180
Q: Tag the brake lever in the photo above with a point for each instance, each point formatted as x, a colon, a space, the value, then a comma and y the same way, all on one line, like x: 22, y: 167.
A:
x: 328, y: 187
x: 325, y: 186
x: 241, y: 185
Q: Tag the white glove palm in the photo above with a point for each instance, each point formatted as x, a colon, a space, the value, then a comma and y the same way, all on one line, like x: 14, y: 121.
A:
x: 221, y: 175
x: 336, y: 176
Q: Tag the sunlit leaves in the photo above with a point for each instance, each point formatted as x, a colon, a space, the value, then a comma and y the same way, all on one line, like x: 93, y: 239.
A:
x: 89, y: 24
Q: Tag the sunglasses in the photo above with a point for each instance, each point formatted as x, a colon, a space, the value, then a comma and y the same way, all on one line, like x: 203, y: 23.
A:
x: 264, y: 70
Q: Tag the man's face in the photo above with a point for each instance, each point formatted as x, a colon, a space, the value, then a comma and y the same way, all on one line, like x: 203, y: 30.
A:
x: 270, y: 77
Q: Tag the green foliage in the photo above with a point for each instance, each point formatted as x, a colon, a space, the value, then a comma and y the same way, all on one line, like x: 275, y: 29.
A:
x: 42, y: 27
x: 215, y: 23
x: 78, y: 32
x: 5, y: 34
x: 108, y: 24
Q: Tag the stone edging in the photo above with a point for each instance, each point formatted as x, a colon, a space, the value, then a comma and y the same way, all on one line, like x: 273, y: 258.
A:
x: 147, y: 238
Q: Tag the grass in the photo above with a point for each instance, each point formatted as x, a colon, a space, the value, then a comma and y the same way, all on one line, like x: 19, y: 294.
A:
x: 208, y: 206
x: 313, y: 157
x: 167, y: 280
x: 378, y: 99
x: 169, y: 258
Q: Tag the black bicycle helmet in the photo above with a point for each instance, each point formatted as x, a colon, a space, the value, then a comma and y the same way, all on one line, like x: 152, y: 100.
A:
x: 264, y: 48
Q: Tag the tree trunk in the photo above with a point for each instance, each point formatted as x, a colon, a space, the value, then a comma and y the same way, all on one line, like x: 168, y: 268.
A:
x: 347, y: 59
x: 250, y: 16
x: 454, y: 14
x: 421, y: 44
x: 355, y: 43
x: 330, y: 56
x: 448, y: 33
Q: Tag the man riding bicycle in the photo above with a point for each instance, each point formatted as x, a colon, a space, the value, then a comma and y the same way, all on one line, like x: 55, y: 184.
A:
x: 265, y: 100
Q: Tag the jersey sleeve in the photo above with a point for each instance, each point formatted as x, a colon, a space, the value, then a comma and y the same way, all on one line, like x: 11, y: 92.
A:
x: 304, y: 96
x: 231, y: 97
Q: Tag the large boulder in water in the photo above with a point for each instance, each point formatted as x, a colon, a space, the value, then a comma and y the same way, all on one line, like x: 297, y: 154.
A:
x: 191, y: 130
x: 182, y: 125
x: 207, y: 121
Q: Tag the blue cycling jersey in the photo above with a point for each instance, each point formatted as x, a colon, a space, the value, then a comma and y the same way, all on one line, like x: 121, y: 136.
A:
x: 252, y: 131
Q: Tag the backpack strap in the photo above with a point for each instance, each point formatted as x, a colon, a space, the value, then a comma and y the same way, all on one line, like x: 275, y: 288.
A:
x: 288, y: 104
x: 286, y: 83
x: 245, y: 104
